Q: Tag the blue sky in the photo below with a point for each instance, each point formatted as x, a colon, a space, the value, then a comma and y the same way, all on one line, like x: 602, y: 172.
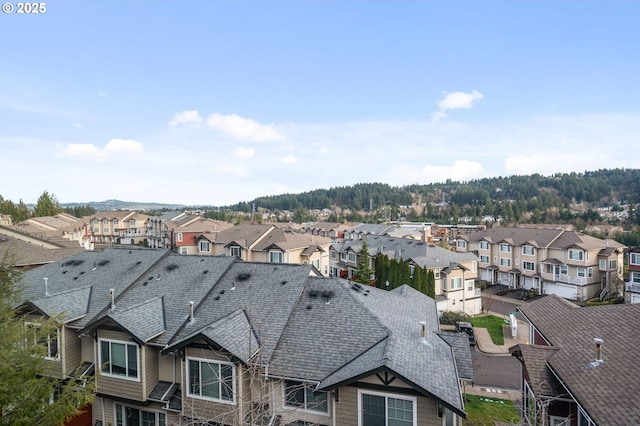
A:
x: 216, y: 102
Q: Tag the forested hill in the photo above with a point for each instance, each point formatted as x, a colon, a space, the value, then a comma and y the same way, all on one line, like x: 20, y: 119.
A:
x: 593, y: 188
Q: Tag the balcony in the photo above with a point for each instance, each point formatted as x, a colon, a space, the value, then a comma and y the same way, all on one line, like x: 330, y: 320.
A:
x: 564, y: 278
x: 633, y: 287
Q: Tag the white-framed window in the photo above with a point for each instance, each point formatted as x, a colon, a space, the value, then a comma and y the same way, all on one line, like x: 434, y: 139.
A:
x: 205, y: 246
x: 474, y: 266
x: 564, y: 269
x: 184, y: 250
x: 505, y: 248
x: 130, y: 416
x: 505, y: 261
x: 576, y: 255
x: 634, y: 259
x: 634, y: 277
x: 343, y: 256
x: 613, y: 264
x: 116, y: 222
x: 484, y: 245
x: 132, y: 223
x: 412, y: 269
x: 470, y: 285
x: 581, y: 271
x: 105, y: 230
x: 484, y: 259
x: 461, y: 244
x: 213, y: 380
x: 179, y: 237
x: 436, y: 273
x: 352, y: 256
x: 235, y: 251
x: 95, y: 221
x: 332, y: 254
x: 301, y: 396
x: 119, y: 359
x: 455, y: 283
x: 590, y: 272
x: 528, y: 250
x: 528, y: 266
x: 51, y: 341
x: 603, y: 264
x: 384, y: 409
x: 275, y: 256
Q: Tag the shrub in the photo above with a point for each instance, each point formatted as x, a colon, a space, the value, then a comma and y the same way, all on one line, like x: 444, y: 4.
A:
x: 449, y: 317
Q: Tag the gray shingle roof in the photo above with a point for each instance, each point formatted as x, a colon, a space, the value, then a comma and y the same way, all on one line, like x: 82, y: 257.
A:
x: 608, y: 391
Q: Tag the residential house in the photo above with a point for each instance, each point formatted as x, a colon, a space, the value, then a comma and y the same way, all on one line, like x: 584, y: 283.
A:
x: 215, y: 340
x: 332, y: 230
x: 115, y: 227
x: 194, y: 234
x: 551, y: 261
x: 580, y: 368
x: 158, y: 229
x: 240, y: 240
x: 455, y: 273
x: 62, y: 229
x: 632, y: 287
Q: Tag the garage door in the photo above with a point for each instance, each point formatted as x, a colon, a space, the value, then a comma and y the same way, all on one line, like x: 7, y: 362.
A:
x: 529, y: 282
x: 566, y: 291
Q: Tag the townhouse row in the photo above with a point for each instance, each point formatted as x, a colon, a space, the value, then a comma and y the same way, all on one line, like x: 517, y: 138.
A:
x: 186, y: 340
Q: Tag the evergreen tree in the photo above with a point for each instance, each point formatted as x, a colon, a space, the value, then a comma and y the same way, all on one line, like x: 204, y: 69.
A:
x: 363, y: 274
x: 431, y: 284
x: 27, y: 380
x: 47, y: 205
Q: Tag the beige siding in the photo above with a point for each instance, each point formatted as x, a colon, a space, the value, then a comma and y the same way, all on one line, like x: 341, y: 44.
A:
x: 120, y: 386
x: 71, y: 350
x: 150, y: 368
x: 221, y: 412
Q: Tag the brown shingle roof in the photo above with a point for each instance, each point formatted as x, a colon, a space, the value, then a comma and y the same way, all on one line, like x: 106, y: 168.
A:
x: 607, y: 391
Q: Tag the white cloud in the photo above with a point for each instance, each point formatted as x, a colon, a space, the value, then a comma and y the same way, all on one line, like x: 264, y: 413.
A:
x: 114, y: 146
x: 244, y: 153
x: 288, y: 159
x: 186, y: 118
x: 456, y: 100
x: 460, y: 170
x: 233, y: 170
x: 241, y: 128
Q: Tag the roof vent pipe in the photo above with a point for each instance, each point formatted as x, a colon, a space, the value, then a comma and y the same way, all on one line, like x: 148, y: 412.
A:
x: 112, y: 296
x: 190, y: 311
x: 46, y: 286
x: 423, y: 330
x: 598, y: 343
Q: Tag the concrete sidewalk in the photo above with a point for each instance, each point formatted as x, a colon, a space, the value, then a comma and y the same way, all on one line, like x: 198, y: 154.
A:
x: 486, y: 345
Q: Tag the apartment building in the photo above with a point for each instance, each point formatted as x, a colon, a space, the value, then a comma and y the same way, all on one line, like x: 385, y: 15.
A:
x: 194, y: 340
x: 456, y: 274
x: 632, y: 287
x: 115, y: 227
x: 551, y: 261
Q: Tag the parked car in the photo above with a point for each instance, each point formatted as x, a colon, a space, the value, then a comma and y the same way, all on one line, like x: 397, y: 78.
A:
x: 466, y: 327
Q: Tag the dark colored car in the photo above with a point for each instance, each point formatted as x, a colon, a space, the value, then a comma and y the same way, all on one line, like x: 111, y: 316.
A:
x: 466, y: 327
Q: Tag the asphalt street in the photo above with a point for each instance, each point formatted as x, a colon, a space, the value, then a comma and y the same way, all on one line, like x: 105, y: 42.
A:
x: 500, y: 371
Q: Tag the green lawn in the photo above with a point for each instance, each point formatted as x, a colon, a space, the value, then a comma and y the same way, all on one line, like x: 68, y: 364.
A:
x: 493, y: 325
x: 483, y: 411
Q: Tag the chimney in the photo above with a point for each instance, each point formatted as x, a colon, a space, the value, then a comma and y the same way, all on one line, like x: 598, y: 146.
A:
x: 46, y: 286
x: 190, y: 311
x: 112, y: 296
x: 598, y: 343
x: 423, y: 330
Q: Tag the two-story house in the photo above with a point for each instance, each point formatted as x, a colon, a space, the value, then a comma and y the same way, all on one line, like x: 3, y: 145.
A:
x: 194, y: 234
x: 632, y: 287
x: 580, y: 368
x: 214, y: 340
x: 115, y: 227
x: 551, y: 261
x: 455, y: 273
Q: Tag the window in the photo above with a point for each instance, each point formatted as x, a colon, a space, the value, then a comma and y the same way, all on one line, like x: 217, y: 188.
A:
x: 590, y: 272
x: 116, y: 222
x: 275, y: 256
x: 343, y: 256
x: 379, y: 409
x: 505, y: 248
x: 95, y: 221
x: 564, y: 270
x: 455, y: 283
x: 205, y: 246
x: 528, y: 250
x: 235, y: 251
x: 603, y: 265
x: 51, y: 341
x: 484, y: 259
x: 105, y: 221
x: 634, y: 277
x: 179, y: 237
x: 105, y: 230
x: 484, y: 245
x: 634, y: 258
x: 582, y: 272
x: 528, y: 266
x: 128, y: 416
x: 184, y: 250
x: 461, y: 244
x: 436, y: 273
x: 132, y: 223
x: 333, y: 254
x: 119, y: 359
x: 613, y: 263
x: 211, y: 380
x: 504, y: 261
x: 412, y: 269
x: 303, y: 397
x: 474, y: 266
x: 576, y: 255
x: 470, y: 285
x: 352, y: 256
